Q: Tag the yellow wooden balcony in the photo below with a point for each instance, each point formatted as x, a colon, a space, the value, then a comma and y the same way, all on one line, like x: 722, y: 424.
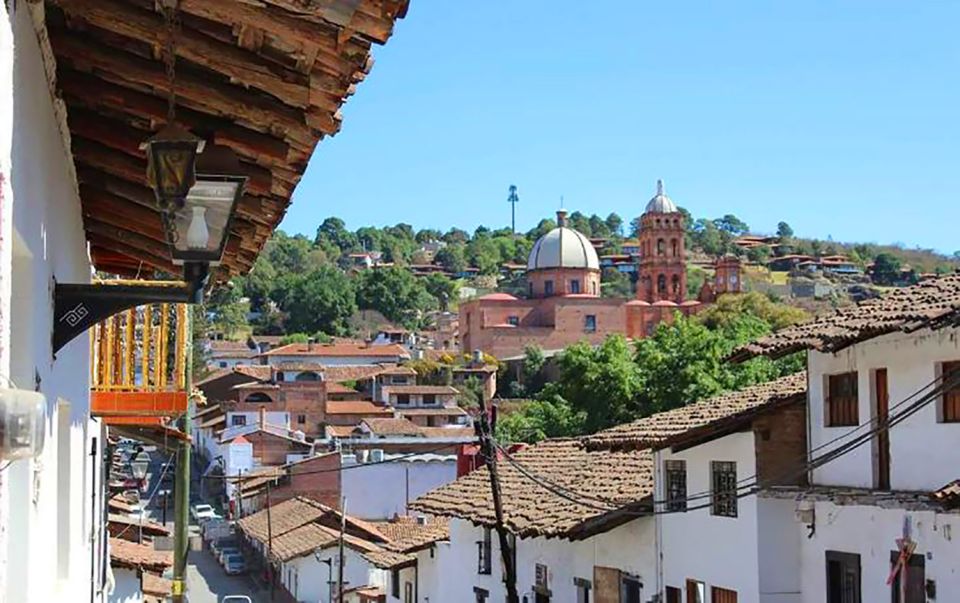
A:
x: 139, y: 362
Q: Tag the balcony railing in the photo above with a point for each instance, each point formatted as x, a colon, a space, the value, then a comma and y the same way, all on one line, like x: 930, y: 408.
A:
x: 139, y: 362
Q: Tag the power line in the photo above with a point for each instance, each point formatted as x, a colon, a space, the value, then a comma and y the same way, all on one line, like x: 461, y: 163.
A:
x: 749, y: 489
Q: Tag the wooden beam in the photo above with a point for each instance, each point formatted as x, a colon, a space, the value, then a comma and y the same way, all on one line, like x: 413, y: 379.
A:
x: 160, y: 263
x: 114, y: 65
x: 110, y: 208
x: 84, y: 90
x: 241, y: 66
x: 367, y: 24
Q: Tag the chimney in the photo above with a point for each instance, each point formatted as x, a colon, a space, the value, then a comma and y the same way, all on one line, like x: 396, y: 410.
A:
x: 561, y: 217
x: 310, y: 343
x: 263, y: 417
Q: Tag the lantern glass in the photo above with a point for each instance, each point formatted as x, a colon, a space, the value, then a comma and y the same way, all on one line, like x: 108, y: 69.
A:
x: 171, y: 164
x: 202, y: 223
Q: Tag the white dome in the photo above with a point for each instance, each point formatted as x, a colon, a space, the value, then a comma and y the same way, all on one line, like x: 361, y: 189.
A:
x: 661, y: 203
x: 563, y: 247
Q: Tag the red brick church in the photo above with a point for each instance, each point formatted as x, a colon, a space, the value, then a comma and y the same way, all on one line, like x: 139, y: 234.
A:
x: 563, y: 303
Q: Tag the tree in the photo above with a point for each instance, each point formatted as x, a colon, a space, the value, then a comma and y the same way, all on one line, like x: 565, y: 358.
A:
x: 615, y: 224
x: 759, y: 254
x: 484, y: 253
x: 602, y: 383
x: 453, y: 258
x: 428, y: 235
x: 323, y: 300
x: 732, y: 224
x: 539, y: 419
x: 533, y: 363
x: 456, y: 235
x: 614, y: 283
x: 543, y: 227
x: 784, y: 231
x: 334, y: 231
x: 636, y: 226
x: 886, y: 269
x: 231, y: 318
x: 580, y: 223
x: 442, y: 288
x: 728, y: 309
x: 395, y: 293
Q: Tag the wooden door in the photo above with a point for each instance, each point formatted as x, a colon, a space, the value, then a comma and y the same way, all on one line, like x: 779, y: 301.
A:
x: 883, y: 437
x: 696, y: 592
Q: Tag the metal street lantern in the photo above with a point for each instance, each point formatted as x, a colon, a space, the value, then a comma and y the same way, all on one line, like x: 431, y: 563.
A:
x: 199, y: 227
x: 171, y: 164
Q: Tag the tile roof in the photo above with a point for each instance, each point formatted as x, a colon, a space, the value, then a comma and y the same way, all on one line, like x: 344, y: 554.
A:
x: 351, y: 373
x: 386, y: 559
x: 531, y: 509
x: 124, y: 553
x: 421, y: 389
x: 388, y: 427
x: 153, y: 584
x: 206, y: 411
x: 312, y: 536
x: 398, y: 370
x: 453, y: 411
x: 340, y: 431
x: 356, y: 407
x: 339, y: 350
x: 408, y: 534
x: 932, y: 304
x: 299, y: 366
x: 334, y: 387
x: 214, y: 421
x: 448, y: 432
x: 300, y: 511
x: 656, y: 430
x: 150, y: 528
x: 949, y: 495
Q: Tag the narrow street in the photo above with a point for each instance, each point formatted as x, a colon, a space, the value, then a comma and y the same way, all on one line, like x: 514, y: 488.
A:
x: 207, y: 582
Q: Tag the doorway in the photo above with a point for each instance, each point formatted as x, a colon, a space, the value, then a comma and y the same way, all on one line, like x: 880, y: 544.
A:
x: 882, y: 414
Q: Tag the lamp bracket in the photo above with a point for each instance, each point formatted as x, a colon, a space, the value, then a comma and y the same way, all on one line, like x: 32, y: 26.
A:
x: 79, y: 306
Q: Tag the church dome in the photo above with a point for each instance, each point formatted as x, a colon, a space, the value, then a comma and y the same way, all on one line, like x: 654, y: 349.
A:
x: 563, y: 247
x: 661, y: 203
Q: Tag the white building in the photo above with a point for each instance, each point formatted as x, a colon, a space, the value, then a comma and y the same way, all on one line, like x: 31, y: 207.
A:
x: 893, y: 497
x: 52, y: 538
x: 336, y: 354
x: 383, y: 490
x: 564, y: 550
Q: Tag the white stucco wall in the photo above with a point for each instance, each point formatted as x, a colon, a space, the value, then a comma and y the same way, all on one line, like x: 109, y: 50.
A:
x: 452, y: 573
x: 273, y: 418
x: 719, y: 551
x: 312, y: 575
x: 871, y: 532
x: 274, y: 360
x: 380, y: 491
x: 912, y: 363
x: 127, y: 586
x: 51, y: 515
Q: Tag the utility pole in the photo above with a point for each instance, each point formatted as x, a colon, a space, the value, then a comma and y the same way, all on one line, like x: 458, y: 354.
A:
x: 490, y: 457
x: 343, y: 529
x: 181, y: 502
x: 513, y: 199
x: 269, y: 544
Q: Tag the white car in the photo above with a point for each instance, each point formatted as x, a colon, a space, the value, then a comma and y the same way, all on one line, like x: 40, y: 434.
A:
x: 201, y: 513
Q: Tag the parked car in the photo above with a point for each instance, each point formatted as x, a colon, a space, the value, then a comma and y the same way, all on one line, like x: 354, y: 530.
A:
x: 225, y: 552
x: 234, y: 564
x: 203, y: 512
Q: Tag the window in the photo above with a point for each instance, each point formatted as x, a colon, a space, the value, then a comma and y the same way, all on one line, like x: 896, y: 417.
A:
x: 674, y: 595
x: 398, y: 380
x: 395, y: 583
x: 696, y: 592
x: 843, y: 577
x: 724, y: 481
x: 548, y: 287
x: 238, y: 420
x: 574, y: 286
x: 513, y: 321
x: 403, y: 399
x: 593, y: 285
x: 590, y: 323
x: 661, y: 247
x: 950, y: 372
x: 722, y: 595
x: 484, y: 549
x: 223, y: 364
x: 662, y: 284
x: 842, y: 400
x: 429, y: 398
x: 301, y: 419
x: 408, y: 592
x: 676, y: 284
x: 674, y: 247
x: 916, y: 579
x: 542, y: 579
x: 630, y: 589
x: 279, y: 376
x: 583, y: 589
x: 676, y: 480
x: 482, y: 595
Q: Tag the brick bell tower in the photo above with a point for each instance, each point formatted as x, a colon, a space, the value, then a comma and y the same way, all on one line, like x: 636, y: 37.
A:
x: 662, y: 269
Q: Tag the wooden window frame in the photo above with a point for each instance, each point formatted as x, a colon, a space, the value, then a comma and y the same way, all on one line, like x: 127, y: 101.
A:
x: 722, y: 595
x: 485, y: 553
x: 842, y: 407
x: 723, y: 489
x: 691, y: 587
x: 675, y: 484
x: 584, y: 588
x: 849, y: 560
x: 950, y: 400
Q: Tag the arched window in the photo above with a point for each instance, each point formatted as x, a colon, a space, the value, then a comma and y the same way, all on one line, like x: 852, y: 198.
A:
x: 662, y: 284
x: 674, y: 247
x: 676, y: 285
x: 594, y: 287
x: 307, y: 376
x: 258, y: 397
x: 661, y: 247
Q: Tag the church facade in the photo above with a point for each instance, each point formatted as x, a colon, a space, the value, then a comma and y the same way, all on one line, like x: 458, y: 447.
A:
x: 564, y: 305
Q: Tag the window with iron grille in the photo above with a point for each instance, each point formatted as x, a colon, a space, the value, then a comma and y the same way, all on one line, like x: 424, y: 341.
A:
x: 541, y: 577
x: 843, y: 577
x: 484, y: 549
x: 481, y: 594
x: 724, y: 481
x: 238, y: 420
x: 676, y: 480
x: 950, y: 372
x: 583, y: 589
x: 590, y: 323
x: 842, y: 400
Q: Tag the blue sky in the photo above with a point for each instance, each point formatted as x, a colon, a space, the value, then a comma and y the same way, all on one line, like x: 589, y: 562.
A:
x: 839, y: 117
